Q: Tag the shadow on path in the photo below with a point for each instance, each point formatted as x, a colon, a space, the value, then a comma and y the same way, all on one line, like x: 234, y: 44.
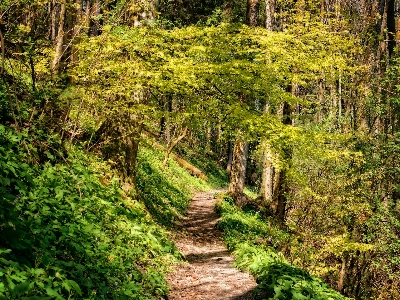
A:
x: 208, y: 273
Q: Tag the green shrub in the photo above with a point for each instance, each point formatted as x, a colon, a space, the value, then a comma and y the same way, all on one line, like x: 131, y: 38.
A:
x: 254, y: 242
x: 64, y: 234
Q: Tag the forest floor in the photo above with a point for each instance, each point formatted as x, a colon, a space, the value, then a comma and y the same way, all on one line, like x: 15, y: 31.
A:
x: 208, y: 273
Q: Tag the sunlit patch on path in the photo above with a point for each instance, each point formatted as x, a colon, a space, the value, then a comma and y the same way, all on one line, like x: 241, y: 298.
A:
x: 209, y: 274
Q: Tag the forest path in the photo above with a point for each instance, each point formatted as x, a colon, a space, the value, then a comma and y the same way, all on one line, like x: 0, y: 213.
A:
x: 209, y: 274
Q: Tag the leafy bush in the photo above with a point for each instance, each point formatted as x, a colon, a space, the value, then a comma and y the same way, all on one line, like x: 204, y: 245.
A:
x: 254, y: 242
x: 65, y: 234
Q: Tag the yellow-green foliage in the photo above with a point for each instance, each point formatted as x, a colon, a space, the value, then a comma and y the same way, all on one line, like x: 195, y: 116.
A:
x: 254, y: 242
x: 210, y: 68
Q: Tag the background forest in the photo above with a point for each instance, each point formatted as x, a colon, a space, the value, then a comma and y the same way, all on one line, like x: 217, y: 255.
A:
x: 105, y: 106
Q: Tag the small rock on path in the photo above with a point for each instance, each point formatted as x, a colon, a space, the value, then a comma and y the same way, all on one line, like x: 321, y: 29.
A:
x: 209, y: 274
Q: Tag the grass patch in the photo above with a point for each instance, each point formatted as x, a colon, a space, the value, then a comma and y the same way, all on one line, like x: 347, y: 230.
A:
x: 255, y: 242
x: 167, y: 193
x: 217, y: 176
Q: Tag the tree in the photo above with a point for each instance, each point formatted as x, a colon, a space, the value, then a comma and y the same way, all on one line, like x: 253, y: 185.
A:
x: 240, y: 149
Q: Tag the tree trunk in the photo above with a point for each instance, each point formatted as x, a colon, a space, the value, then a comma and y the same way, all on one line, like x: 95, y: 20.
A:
x: 95, y: 23
x: 270, y: 15
x: 267, y: 180
x: 240, y: 149
x: 391, y: 26
x: 230, y: 158
x: 397, y: 37
x: 253, y: 7
x: 267, y: 175
x: 59, y: 39
x: 283, y: 187
x: 78, y: 23
x: 53, y: 20
x: 342, y: 275
x: 3, y: 52
x: 238, y: 172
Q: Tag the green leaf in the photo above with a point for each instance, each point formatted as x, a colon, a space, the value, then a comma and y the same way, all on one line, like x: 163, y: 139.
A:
x: 5, y: 251
x: 75, y: 286
x: 52, y: 292
x: 39, y: 271
x: 21, y: 288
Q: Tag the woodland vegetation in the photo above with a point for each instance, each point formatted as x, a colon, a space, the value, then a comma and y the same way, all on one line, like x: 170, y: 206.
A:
x: 113, y: 112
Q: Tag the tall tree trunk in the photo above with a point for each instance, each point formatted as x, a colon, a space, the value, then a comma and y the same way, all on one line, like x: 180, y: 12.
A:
x: 342, y: 274
x: 60, y: 39
x: 240, y: 149
x: 267, y: 175
x: 391, y: 26
x: 78, y: 23
x: 230, y: 158
x: 238, y: 173
x: 267, y: 180
x: 253, y: 7
x: 282, y: 192
x: 87, y: 16
x: 397, y: 37
x: 270, y: 15
x: 53, y: 20
x: 95, y: 23
x: 3, y: 52
x: 283, y: 187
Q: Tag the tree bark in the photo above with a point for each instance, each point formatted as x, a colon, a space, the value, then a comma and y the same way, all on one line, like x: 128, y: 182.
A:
x: 95, y: 24
x: 270, y: 15
x: 252, y: 13
x: 238, y: 172
x: 53, y: 20
x: 3, y: 52
x: 267, y: 180
x: 240, y: 149
x: 267, y: 175
x: 391, y: 26
x: 342, y: 275
x: 283, y: 187
x: 230, y: 158
x: 59, y: 39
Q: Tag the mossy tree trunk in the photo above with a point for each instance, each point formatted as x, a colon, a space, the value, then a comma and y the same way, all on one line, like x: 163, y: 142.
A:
x: 238, y: 171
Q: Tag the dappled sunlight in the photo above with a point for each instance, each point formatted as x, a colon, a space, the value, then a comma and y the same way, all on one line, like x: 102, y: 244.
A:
x: 209, y: 273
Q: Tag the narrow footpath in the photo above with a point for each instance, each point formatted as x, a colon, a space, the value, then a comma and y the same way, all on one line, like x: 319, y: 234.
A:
x: 209, y: 274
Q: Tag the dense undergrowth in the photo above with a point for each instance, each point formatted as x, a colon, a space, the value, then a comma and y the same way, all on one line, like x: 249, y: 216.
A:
x: 69, y: 231
x: 255, y: 243
x: 166, y: 193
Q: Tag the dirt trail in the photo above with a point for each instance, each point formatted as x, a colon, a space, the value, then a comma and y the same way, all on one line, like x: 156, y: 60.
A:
x: 209, y: 274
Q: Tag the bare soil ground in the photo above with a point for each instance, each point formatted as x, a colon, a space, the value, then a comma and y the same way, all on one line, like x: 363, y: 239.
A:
x: 208, y: 273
